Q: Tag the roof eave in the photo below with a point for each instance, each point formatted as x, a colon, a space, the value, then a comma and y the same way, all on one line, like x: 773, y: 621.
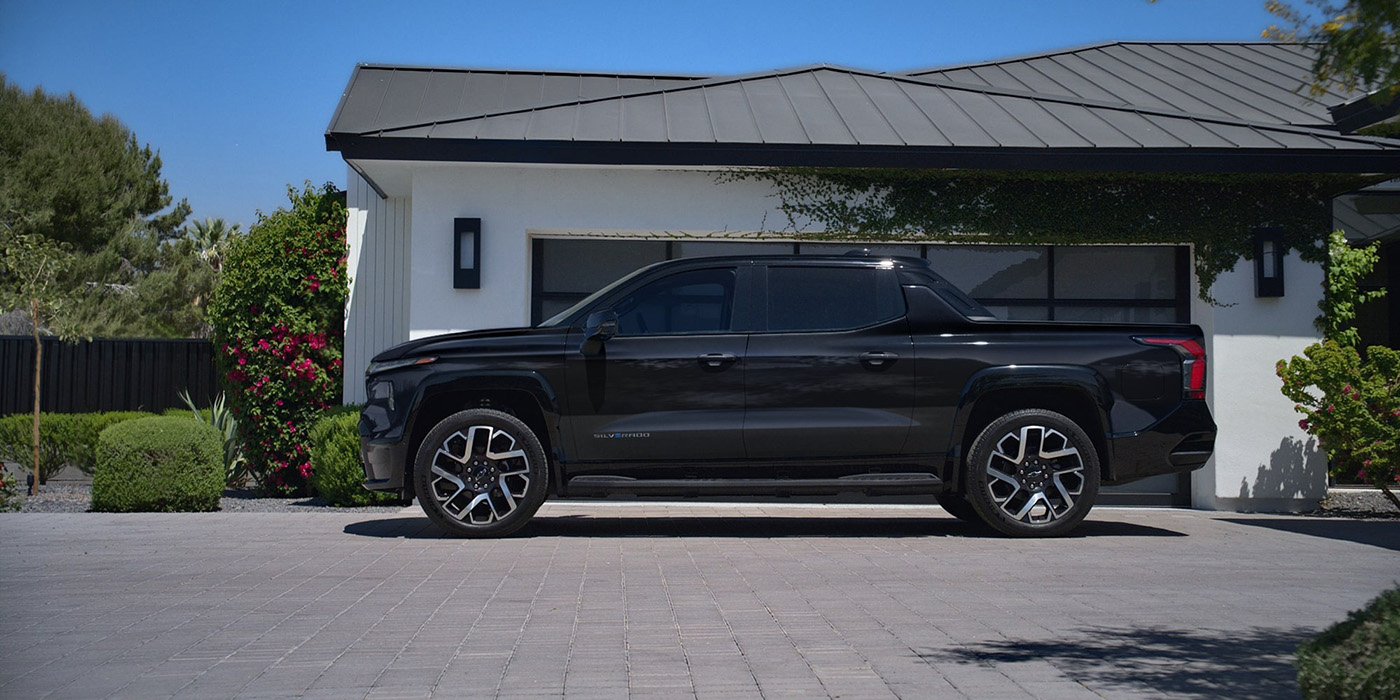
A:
x: 1185, y: 160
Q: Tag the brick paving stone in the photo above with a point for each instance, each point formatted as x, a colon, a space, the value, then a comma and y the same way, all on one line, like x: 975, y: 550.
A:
x: 636, y: 599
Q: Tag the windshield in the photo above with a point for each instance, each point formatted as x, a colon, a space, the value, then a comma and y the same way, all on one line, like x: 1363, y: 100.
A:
x: 562, y: 316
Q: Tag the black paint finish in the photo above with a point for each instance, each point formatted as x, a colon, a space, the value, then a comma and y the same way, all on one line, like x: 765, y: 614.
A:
x: 886, y: 407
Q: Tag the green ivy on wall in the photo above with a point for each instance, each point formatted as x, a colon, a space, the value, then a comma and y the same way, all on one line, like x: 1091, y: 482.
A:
x: 1213, y: 212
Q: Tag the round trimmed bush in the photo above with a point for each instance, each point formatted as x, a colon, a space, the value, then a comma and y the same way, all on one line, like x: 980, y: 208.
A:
x: 1358, y: 657
x: 164, y: 463
x: 336, y: 474
x: 88, y: 429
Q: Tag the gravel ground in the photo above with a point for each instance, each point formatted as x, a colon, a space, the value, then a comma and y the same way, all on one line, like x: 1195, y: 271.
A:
x: 1370, y: 504
x: 75, y: 498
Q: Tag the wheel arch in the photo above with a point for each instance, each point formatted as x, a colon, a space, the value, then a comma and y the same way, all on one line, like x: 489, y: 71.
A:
x: 1076, y: 392
x: 524, y: 395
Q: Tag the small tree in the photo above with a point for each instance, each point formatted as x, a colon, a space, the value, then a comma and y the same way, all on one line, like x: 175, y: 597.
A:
x: 1346, y: 268
x: 31, y: 276
x: 1349, y: 402
x: 278, y: 316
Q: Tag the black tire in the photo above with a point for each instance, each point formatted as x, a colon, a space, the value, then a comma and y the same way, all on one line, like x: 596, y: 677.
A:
x: 1032, y: 473
x: 958, y: 507
x: 491, y: 474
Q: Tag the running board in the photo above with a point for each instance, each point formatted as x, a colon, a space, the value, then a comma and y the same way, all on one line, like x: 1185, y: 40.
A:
x: 873, y: 484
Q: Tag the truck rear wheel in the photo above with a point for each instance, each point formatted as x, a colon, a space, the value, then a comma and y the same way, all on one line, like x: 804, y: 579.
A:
x: 1032, y: 473
x: 480, y: 473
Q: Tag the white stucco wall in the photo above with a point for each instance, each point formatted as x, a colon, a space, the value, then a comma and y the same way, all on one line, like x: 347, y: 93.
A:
x: 511, y: 201
x: 1262, y: 460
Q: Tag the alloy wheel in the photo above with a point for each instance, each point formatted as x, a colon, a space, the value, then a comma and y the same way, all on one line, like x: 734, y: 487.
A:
x: 479, y: 475
x: 1035, y: 474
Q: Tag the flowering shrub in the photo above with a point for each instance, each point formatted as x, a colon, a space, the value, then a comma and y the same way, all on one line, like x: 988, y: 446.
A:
x: 1352, y: 406
x: 9, y: 492
x: 278, y: 318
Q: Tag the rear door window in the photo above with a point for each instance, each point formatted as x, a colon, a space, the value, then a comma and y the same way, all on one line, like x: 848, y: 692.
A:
x: 803, y: 298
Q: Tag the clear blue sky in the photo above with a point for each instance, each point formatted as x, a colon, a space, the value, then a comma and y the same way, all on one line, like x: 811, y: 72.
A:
x: 237, y: 95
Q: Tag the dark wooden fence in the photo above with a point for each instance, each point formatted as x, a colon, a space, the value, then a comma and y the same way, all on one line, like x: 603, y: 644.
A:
x: 118, y: 374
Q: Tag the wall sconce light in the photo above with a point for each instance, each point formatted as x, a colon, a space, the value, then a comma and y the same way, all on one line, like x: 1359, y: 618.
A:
x: 466, y: 253
x: 1268, y: 262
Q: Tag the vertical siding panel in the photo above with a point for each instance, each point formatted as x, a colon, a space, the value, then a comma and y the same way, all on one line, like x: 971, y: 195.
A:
x: 377, y: 232
x: 398, y: 308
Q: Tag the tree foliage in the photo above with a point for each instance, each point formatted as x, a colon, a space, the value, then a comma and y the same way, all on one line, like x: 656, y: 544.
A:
x: 138, y: 286
x: 74, y: 178
x: 1352, y: 405
x: 1350, y: 402
x: 278, y: 317
x: 32, y: 272
x: 83, y: 185
x: 1342, y: 293
x: 1358, y: 42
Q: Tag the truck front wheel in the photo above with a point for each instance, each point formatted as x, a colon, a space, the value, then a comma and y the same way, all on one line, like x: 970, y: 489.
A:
x: 1032, y: 473
x: 480, y: 473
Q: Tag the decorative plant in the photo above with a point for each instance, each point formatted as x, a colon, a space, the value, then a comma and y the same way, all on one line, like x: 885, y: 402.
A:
x: 1346, y: 268
x: 1349, y: 402
x: 278, y: 318
x: 1352, y: 406
x: 9, y: 492
x: 55, y: 442
x: 1358, y: 657
x: 157, y: 464
x: 221, y: 417
x: 335, y: 455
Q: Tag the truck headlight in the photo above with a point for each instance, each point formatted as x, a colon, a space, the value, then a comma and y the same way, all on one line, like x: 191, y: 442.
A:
x: 377, y: 367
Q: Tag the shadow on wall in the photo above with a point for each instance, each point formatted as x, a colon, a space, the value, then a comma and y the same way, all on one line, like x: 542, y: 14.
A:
x: 1297, y: 470
x: 1254, y: 663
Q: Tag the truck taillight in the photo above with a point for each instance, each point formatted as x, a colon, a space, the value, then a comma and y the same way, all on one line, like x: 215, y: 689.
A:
x: 1193, y: 364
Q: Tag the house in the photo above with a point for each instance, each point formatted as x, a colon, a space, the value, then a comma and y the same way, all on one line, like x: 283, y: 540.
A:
x: 547, y: 185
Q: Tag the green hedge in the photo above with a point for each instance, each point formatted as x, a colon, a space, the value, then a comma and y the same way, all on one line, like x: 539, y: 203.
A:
x: 1356, y: 658
x: 87, y: 430
x: 64, y: 438
x: 164, y: 463
x: 336, y: 474
x: 17, y: 442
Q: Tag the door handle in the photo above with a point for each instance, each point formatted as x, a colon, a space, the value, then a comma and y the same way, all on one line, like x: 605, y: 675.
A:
x: 717, y: 359
x: 878, y: 358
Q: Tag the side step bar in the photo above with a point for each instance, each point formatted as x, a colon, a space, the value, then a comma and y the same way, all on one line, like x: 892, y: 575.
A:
x: 872, y: 484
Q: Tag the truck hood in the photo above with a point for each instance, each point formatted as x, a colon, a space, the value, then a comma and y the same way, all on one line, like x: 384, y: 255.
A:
x: 465, y: 341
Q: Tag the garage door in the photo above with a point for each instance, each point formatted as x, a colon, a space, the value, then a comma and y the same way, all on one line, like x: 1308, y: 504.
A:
x: 1149, y: 284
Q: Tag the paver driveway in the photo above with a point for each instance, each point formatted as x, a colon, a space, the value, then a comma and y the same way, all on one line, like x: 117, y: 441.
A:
x: 712, y: 601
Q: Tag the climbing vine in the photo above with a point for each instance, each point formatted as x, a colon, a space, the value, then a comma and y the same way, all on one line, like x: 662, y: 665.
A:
x: 1213, y: 212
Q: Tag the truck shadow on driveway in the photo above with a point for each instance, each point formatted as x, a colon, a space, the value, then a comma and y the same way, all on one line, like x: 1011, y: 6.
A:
x: 737, y: 527
x: 1377, y: 533
x: 1251, y: 663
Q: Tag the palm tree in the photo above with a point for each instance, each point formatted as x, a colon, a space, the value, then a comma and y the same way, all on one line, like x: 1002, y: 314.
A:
x: 212, y: 237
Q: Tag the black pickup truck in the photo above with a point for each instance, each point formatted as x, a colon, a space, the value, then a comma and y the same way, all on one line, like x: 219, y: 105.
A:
x: 780, y: 376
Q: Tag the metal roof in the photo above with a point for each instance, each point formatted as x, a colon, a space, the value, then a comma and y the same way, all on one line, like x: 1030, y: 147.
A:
x: 380, y: 95
x: 820, y: 116
x: 1253, y: 81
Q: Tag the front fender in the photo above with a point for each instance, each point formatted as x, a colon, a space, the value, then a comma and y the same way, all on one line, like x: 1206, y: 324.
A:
x: 527, y: 381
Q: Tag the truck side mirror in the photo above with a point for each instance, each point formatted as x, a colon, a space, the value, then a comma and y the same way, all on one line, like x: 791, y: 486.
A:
x: 600, y: 327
